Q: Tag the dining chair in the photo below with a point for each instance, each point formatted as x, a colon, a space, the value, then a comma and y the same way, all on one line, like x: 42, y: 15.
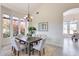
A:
x: 24, y: 38
x: 40, y: 46
x: 19, y: 35
x: 16, y: 46
x: 42, y: 36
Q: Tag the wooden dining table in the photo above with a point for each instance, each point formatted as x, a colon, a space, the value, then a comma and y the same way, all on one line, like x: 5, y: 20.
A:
x: 30, y: 40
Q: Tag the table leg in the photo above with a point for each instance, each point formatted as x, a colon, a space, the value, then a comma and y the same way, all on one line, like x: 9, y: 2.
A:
x: 29, y: 49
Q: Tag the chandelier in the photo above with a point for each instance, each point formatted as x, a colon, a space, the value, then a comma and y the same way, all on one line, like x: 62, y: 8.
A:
x: 28, y: 17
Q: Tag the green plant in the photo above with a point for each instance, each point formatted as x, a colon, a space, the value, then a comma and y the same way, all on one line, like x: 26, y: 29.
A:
x: 31, y: 30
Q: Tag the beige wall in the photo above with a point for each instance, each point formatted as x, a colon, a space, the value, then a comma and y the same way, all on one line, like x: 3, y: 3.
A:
x: 53, y: 14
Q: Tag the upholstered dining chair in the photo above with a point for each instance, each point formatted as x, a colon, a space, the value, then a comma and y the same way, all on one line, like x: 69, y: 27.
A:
x: 24, y: 38
x: 42, y: 36
x: 40, y: 46
x: 17, y: 47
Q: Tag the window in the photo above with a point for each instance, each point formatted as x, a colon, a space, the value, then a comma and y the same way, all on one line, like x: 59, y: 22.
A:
x: 18, y: 26
x: 65, y: 27
x: 69, y: 27
x: 22, y: 27
x: 6, y: 26
x: 15, y: 26
x: 73, y: 27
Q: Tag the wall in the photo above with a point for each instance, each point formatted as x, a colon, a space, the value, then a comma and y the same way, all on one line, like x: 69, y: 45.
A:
x: 53, y: 14
x: 0, y: 27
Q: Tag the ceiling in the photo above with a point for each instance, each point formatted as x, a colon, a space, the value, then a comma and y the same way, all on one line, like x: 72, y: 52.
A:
x: 22, y: 7
x: 71, y: 15
x: 71, y: 11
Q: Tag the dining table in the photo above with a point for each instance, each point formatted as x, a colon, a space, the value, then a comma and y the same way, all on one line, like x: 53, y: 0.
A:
x: 29, y: 41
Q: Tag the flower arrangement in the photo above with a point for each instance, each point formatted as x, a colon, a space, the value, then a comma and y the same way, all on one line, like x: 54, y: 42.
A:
x: 31, y: 30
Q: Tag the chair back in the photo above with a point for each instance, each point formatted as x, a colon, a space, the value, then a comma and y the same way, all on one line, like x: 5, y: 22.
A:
x: 24, y: 38
x: 41, y: 44
x: 15, y: 44
x: 19, y: 35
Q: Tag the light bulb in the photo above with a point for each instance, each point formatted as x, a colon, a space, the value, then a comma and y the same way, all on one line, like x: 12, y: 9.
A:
x: 31, y: 17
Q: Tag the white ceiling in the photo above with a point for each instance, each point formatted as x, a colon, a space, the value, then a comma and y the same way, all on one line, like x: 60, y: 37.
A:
x: 22, y: 7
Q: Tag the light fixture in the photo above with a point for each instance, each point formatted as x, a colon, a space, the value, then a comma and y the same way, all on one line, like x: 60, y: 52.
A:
x: 28, y: 17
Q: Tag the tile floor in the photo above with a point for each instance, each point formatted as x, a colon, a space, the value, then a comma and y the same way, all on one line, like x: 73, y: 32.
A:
x: 70, y: 48
x: 50, y: 50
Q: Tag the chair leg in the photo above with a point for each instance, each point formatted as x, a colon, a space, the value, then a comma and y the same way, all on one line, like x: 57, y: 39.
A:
x: 26, y: 51
x: 18, y: 53
x: 43, y: 51
x: 33, y: 52
x: 12, y: 48
x: 14, y: 51
x: 39, y: 53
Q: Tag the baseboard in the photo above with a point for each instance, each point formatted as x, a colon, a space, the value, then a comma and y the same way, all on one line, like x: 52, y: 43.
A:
x: 53, y: 43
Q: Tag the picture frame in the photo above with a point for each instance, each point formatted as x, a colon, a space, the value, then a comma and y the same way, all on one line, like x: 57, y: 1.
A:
x: 43, y: 26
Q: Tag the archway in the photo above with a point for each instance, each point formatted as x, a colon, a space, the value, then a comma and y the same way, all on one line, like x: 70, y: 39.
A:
x: 70, y: 24
x: 70, y: 21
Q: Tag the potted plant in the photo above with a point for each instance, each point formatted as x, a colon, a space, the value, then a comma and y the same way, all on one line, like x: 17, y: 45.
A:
x: 31, y: 30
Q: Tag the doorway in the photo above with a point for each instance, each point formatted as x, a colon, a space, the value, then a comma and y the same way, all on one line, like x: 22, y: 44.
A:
x: 70, y: 24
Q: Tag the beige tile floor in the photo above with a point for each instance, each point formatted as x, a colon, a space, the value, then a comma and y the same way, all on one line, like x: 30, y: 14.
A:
x: 70, y: 48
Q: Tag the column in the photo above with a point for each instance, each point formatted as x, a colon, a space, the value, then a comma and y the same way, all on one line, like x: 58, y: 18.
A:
x: 1, y: 37
x: 68, y: 25
x: 26, y: 27
x: 11, y: 27
x: 19, y: 27
x: 78, y: 25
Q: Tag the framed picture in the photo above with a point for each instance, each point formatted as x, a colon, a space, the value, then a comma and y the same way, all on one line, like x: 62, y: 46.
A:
x: 43, y: 26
